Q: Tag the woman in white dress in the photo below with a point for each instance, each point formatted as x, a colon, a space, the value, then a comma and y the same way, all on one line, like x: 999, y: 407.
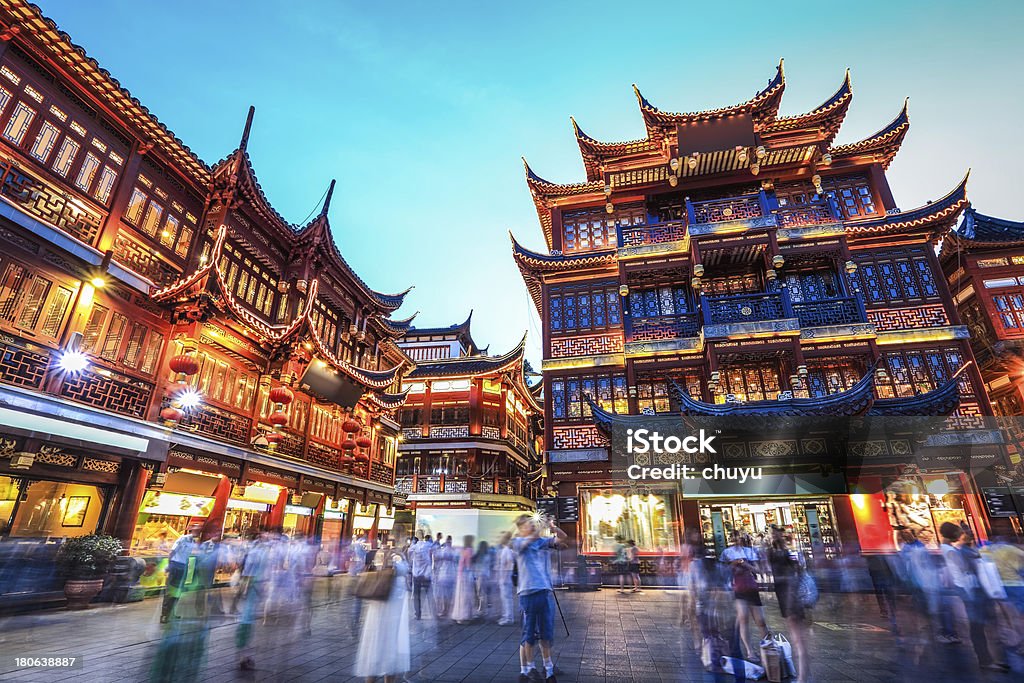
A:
x: 464, y: 602
x: 384, y: 650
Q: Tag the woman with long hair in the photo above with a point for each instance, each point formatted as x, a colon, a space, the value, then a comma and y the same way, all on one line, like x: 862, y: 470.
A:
x: 786, y: 570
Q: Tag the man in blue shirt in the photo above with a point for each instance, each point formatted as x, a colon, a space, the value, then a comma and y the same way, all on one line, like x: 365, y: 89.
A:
x: 536, y: 596
x: 177, y: 567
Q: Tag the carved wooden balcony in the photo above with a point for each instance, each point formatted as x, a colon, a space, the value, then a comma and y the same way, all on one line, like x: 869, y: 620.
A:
x: 842, y: 311
x: 728, y: 215
x: 653, y: 334
x: 651, y: 239
x: 823, y: 212
x: 49, y: 203
x: 744, y: 315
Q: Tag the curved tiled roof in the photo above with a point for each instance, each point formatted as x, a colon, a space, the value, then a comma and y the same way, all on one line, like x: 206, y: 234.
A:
x: 979, y: 230
x: 762, y: 106
x: 531, y: 264
x: 594, y: 151
x: 935, y: 216
x: 470, y: 365
x: 829, y: 115
x: 397, y: 328
x: 386, y: 401
x: 883, y: 145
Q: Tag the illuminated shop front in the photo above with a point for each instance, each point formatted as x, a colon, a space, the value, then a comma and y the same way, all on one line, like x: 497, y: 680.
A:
x: 886, y: 507
x: 649, y: 518
x: 363, y: 519
x: 810, y: 522
x: 249, y: 507
x: 49, y: 509
x: 335, y: 515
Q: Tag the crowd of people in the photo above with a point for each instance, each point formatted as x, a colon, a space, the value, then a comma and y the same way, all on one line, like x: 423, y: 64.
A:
x: 961, y: 592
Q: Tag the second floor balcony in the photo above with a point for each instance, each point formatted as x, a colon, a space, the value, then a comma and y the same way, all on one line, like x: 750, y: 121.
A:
x: 774, y: 313
x: 49, y: 203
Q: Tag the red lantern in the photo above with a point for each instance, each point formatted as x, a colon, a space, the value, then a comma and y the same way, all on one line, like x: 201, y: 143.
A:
x: 349, y: 444
x: 347, y: 460
x: 272, y: 438
x: 362, y: 457
x: 363, y: 441
x: 184, y: 364
x: 171, y: 414
x: 350, y: 426
x: 278, y: 419
x: 282, y: 395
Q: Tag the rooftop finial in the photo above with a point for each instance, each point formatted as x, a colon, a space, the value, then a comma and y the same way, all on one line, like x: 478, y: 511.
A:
x: 248, y: 127
x: 327, y: 200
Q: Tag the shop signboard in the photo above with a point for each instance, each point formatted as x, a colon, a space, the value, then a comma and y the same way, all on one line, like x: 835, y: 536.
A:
x: 548, y: 507
x: 159, y: 503
x: 235, y: 504
x: 999, y: 501
x: 300, y: 510
x: 568, y: 509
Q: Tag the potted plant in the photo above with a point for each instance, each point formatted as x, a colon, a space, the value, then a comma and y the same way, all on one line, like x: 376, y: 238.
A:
x: 84, y: 560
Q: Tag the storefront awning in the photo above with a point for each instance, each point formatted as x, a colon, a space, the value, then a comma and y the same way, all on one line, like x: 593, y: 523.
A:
x: 70, y: 433
x: 192, y: 484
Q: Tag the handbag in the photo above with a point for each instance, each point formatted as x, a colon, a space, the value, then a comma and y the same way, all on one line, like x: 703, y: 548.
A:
x: 807, y: 590
x: 786, y: 652
x: 376, y: 585
x: 711, y: 651
x: 743, y: 579
x: 771, y: 660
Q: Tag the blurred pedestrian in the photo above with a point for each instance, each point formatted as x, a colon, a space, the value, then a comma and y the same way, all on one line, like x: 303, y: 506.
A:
x: 503, y: 565
x: 422, y: 559
x: 620, y: 562
x: 445, y: 568
x: 384, y: 647
x: 483, y: 573
x: 743, y: 561
x: 177, y: 570
x: 786, y: 570
x: 536, y: 594
x: 256, y: 577
x: 464, y: 602
x: 633, y: 564
x: 961, y: 560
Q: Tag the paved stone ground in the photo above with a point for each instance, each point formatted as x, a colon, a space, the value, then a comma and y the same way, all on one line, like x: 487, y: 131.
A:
x: 634, y: 637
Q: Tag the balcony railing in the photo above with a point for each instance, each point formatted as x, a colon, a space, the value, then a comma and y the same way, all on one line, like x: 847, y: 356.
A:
x: 844, y: 311
x: 422, y: 483
x: 656, y: 328
x: 817, y: 213
x: 656, y: 233
x: 742, y: 308
x: 743, y: 207
x: 49, y: 203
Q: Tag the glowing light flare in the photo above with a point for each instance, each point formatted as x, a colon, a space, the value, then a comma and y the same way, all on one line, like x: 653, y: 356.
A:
x: 189, y: 398
x: 73, y: 361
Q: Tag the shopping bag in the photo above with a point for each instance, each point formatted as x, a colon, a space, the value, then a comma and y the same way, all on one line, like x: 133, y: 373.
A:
x: 771, y: 660
x: 711, y: 651
x: 785, y: 652
x: 991, y: 582
x: 751, y: 671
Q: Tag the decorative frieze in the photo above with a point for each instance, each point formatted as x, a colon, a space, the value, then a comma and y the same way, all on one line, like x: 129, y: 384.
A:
x: 593, y: 345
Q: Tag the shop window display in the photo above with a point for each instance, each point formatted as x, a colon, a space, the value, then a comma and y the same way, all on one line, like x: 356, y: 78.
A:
x: 649, y: 519
x: 56, y: 509
x: 809, y: 522
x: 922, y: 505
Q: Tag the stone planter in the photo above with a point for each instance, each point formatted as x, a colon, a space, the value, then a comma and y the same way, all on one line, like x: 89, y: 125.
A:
x: 80, y: 592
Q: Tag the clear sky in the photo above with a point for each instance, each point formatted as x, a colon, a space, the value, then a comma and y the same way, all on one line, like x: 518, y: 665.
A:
x: 421, y: 110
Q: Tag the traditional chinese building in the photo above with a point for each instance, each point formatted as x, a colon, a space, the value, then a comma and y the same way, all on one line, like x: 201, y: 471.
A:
x: 173, y: 350
x: 469, y: 460
x: 752, y: 260
x: 983, y: 260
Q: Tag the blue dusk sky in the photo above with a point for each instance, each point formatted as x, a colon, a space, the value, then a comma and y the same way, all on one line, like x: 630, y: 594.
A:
x: 422, y: 110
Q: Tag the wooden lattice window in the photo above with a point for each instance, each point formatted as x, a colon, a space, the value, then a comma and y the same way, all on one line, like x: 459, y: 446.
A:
x: 607, y: 390
x: 742, y: 283
x: 751, y: 382
x: 326, y: 322
x: 592, y: 229
x: 160, y: 217
x: 825, y: 377
x: 852, y: 194
x: 593, y: 307
x: 916, y: 372
x: 896, y: 276
x: 646, y: 303
x: 121, y: 339
x: 38, y: 123
x: 251, y: 283
x: 654, y: 396
x: 33, y: 303
x: 1010, y: 309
